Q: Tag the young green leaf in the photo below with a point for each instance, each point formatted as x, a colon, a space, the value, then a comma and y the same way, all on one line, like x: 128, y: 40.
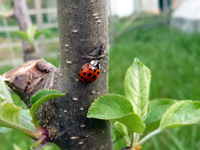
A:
x: 133, y: 122
x: 116, y: 107
x: 26, y: 120
x: 26, y: 123
x: 119, y: 144
x: 22, y: 34
x: 137, y: 84
x: 31, y: 33
x: 30, y: 148
x: 25, y: 113
x: 40, y: 32
x: 123, y: 130
x: 10, y: 117
x: 9, y: 114
x: 181, y: 113
x: 158, y: 108
x: 5, y: 130
x: 46, y: 94
x: 4, y: 93
x: 16, y: 147
x: 39, y: 98
x: 110, y: 106
x: 117, y: 140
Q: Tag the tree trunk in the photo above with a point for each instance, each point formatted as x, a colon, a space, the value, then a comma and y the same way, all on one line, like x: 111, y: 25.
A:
x: 24, y: 21
x: 83, y: 29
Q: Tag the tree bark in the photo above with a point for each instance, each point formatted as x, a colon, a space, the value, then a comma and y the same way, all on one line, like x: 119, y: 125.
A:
x: 83, y: 33
x: 83, y: 28
x: 24, y: 21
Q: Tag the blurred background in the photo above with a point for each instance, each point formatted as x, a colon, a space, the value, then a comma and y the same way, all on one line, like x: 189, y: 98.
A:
x: 163, y: 34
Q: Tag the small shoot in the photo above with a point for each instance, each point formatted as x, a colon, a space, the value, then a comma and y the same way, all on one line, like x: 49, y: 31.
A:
x: 14, y: 117
x: 39, y: 98
x: 31, y: 35
x: 4, y: 93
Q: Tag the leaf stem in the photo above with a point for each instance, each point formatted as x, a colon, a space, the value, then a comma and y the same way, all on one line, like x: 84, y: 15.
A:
x: 136, y: 137
x: 31, y: 134
x: 149, y: 135
x: 40, y: 141
x: 134, y: 140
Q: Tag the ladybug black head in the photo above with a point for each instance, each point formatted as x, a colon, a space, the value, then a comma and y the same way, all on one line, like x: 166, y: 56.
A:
x: 95, y: 63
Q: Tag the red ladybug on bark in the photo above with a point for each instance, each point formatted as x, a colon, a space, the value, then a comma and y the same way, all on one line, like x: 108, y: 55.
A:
x: 89, y: 72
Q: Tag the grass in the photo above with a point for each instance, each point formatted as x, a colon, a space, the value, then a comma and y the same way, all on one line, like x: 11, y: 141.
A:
x: 173, y: 58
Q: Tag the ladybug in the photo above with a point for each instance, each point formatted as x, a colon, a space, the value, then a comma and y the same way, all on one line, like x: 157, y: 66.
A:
x: 89, y: 72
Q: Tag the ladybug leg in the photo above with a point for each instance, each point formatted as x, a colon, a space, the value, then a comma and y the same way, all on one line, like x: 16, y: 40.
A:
x: 97, y: 53
x: 96, y: 57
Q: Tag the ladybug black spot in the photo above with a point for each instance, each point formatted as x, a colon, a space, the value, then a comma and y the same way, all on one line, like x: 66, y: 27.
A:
x: 84, y: 73
x: 81, y: 68
x: 98, y: 72
x: 85, y: 79
x: 94, y: 77
x: 90, y: 69
x: 79, y: 74
x: 95, y: 70
x: 89, y: 74
x: 81, y: 77
x: 87, y: 66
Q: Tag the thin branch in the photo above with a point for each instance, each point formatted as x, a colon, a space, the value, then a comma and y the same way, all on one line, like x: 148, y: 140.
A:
x: 148, y: 136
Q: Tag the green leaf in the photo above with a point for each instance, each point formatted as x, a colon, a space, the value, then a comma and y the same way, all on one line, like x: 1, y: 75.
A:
x: 137, y: 84
x: 123, y: 130
x: 25, y: 113
x: 181, y: 113
x: 16, y: 147
x: 116, y: 107
x: 10, y: 117
x: 9, y: 114
x: 158, y: 108
x: 39, y: 98
x: 50, y: 147
x: 45, y: 94
x: 40, y: 32
x: 110, y: 106
x: 5, y: 130
x: 4, y: 93
x: 22, y: 34
x: 31, y: 33
x: 117, y: 140
x: 26, y: 123
x: 119, y: 144
x: 133, y: 122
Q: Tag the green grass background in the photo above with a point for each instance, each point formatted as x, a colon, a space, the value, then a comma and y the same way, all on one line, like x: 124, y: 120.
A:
x: 174, y: 60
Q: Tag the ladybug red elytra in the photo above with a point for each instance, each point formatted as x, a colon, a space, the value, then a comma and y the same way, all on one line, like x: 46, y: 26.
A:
x: 89, y: 72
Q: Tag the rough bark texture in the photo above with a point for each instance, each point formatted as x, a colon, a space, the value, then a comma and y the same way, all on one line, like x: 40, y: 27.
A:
x: 24, y: 21
x: 83, y: 30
